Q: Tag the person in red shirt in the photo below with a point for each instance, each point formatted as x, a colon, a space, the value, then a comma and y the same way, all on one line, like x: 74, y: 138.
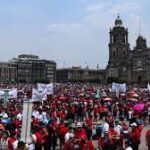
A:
x: 147, y: 138
x: 39, y: 137
x: 104, y: 142
x: 80, y: 132
x: 135, y: 136
x: 90, y: 145
x: 12, y: 141
x: 114, y: 137
x: 69, y: 145
x: 63, y: 129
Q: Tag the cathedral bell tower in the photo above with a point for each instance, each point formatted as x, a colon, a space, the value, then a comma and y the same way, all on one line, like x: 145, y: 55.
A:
x: 118, y: 49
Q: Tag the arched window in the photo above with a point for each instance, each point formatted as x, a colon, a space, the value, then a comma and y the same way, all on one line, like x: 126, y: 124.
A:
x: 114, y: 39
x: 123, y: 41
x: 124, y: 54
x: 114, y: 54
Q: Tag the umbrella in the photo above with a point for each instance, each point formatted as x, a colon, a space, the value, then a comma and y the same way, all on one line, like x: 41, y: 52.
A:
x: 131, y: 94
x: 133, y: 99
x: 62, y: 98
x: 135, y: 95
x: 81, y: 94
x: 107, y: 99
x: 139, y: 107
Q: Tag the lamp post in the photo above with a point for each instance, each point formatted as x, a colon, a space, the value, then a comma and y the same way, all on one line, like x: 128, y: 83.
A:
x: 26, y: 122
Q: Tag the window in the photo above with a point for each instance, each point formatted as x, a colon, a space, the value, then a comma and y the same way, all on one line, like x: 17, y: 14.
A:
x: 114, y: 54
x: 139, y: 63
x: 124, y: 54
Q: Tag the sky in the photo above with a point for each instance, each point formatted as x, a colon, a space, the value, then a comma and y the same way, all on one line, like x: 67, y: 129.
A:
x: 70, y: 32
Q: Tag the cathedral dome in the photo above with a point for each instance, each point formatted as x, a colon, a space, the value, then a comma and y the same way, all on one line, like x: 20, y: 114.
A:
x: 118, y: 22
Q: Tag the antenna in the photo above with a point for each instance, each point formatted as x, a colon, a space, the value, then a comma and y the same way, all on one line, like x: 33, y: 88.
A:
x: 139, y: 25
x: 118, y: 16
x: 64, y: 64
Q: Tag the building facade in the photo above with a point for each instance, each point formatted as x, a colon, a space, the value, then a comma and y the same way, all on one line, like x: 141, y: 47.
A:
x: 31, y: 68
x: 8, y: 72
x: 78, y: 74
x: 27, y: 68
x: 124, y: 64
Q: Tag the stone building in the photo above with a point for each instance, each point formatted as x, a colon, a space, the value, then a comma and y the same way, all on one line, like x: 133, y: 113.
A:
x: 8, y: 72
x: 124, y: 64
x: 27, y: 68
x: 31, y: 68
x: 78, y: 74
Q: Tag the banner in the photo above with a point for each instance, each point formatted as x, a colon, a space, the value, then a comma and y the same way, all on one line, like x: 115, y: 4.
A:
x: 2, y: 94
x: 49, y: 87
x: 148, y: 87
x: 39, y: 95
x: 117, y: 87
x: 12, y: 93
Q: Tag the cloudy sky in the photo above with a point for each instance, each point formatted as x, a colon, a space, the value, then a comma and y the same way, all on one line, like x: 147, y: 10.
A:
x: 71, y: 32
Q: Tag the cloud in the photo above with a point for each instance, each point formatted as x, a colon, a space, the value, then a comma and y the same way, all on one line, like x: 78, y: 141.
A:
x: 86, y: 40
x: 95, y: 8
x: 81, y: 36
x: 64, y: 27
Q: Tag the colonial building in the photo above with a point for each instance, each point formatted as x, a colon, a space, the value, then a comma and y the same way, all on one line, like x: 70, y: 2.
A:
x: 8, y: 72
x: 31, y: 68
x: 78, y: 74
x: 125, y: 64
x: 27, y: 68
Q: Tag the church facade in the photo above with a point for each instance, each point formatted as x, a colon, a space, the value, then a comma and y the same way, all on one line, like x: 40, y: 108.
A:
x: 124, y: 64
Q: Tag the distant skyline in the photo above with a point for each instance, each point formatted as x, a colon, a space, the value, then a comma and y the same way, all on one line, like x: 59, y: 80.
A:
x: 70, y: 32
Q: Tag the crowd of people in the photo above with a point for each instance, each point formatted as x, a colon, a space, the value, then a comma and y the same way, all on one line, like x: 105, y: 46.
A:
x: 79, y: 117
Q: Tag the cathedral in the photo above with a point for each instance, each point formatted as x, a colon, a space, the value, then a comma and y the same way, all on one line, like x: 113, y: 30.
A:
x: 124, y: 64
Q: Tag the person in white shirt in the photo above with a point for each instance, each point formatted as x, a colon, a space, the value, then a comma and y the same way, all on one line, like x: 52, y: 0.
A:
x: 45, y: 117
x: 35, y: 113
x: 127, y: 146
x: 118, y: 127
x: 105, y: 127
x: 19, y: 116
x: 69, y: 134
x: 40, y: 117
x: 4, y: 141
x: 4, y: 115
x: 130, y: 114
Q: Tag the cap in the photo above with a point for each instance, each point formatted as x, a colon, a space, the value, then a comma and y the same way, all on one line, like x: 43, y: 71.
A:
x: 133, y: 124
x: 79, y: 125
x: 125, y: 131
